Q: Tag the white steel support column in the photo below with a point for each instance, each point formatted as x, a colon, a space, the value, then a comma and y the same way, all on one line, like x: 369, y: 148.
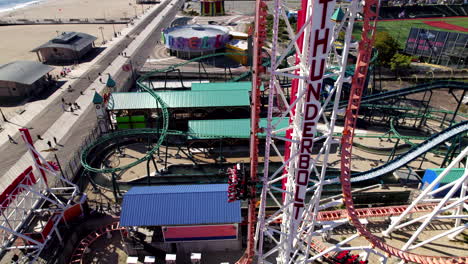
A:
x: 437, y: 210
x: 424, y: 193
x: 459, y: 210
x: 313, y: 42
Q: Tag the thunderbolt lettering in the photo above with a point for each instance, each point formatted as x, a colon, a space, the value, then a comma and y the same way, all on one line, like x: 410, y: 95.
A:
x: 318, y: 49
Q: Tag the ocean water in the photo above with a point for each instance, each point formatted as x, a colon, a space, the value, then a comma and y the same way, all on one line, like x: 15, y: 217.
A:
x: 9, y: 5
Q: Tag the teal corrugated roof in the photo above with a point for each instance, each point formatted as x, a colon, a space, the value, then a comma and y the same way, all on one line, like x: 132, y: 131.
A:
x: 221, y: 86
x: 181, y: 99
x: 228, y: 128
x: 97, y: 99
x: 338, y: 15
x: 452, y: 176
x: 110, y: 82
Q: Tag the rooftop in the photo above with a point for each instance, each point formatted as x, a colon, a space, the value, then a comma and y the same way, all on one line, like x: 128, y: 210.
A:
x: 229, y: 128
x: 195, y: 30
x: 181, y: 99
x: 179, y: 205
x: 238, y: 43
x: 25, y: 72
x: 453, y: 175
x: 68, y: 40
x: 221, y: 86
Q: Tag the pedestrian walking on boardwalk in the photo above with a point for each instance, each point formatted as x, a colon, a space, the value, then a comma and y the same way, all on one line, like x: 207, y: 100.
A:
x: 63, y: 100
x: 39, y: 137
x: 71, y: 109
x: 63, y: 107
x: 81, y: 92
x: 49, y: 143
x: 11, y: 139
x: 55, y: 140
x: 77, y: 106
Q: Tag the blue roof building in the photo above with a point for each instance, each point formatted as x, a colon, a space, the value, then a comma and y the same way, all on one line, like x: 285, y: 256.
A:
x: 179, y: 205
x: 431, y: 174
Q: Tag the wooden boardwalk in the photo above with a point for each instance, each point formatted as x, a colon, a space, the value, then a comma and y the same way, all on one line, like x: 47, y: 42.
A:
x: 58, y: 21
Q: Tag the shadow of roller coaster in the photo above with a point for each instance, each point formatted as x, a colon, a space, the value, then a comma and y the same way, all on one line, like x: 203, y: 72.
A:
x: 164, y: 131
x: 398, y: 162
x: 409, y: 156
x: 379, y: 97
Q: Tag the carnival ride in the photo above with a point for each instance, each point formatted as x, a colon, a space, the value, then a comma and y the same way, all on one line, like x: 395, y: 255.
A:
x: 35, y: 207
x: 301, y: 221
x: 295, y: 242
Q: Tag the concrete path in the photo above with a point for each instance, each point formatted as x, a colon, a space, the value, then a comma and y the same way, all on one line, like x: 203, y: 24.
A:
x: 47, y: 118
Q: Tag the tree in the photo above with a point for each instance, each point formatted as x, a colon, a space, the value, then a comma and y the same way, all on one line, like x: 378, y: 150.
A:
x: 400, y: 62
x: 387, y: 47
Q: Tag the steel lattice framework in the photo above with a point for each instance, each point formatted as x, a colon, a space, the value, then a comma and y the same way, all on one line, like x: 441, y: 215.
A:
x: 25, y: 198
x: 301, y: 211
x: 316, y: 58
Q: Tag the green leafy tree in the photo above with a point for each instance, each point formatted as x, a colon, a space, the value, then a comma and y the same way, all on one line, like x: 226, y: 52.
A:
x: 400, y: 62
x: 387, y: 47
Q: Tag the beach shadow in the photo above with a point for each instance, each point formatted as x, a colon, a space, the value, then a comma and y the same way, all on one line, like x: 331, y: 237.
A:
x: 49, y: 150
x: 47, y: 92
x: 12, y: 101
x: 93, y: 53
x: 221, y: 62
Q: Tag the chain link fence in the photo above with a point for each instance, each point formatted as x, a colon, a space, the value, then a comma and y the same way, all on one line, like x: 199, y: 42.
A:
x: 72, y: 168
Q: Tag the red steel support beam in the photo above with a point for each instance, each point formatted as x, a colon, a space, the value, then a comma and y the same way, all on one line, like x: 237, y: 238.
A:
x: 365, y: 49
x: 257, y: 69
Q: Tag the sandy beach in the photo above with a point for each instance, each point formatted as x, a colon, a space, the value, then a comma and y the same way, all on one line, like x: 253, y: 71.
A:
x: 17, y: 41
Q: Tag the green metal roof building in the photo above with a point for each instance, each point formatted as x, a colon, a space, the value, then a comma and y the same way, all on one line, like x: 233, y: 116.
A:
x: 222, y: 86
x: 228, y: 128
x: 182, y: 99
x: 204, y: 101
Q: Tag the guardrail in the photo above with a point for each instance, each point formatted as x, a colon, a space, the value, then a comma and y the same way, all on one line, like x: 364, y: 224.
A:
x: 52, y: 21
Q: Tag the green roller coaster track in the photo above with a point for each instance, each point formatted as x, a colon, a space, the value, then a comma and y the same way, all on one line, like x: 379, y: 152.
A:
x: 164, y: 131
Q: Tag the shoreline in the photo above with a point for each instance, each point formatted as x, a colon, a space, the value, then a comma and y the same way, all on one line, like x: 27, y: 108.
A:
x: 19, y: 40
x: 67, y: 9
x: 7, y: 10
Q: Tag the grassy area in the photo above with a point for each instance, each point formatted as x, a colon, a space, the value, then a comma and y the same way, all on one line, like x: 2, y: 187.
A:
x: 400, y: 29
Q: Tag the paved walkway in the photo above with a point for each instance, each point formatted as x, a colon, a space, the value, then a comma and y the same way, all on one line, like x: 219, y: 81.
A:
x: 47, y: 119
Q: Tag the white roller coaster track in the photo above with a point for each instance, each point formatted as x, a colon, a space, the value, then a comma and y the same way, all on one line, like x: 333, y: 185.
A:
x: 409, y: 156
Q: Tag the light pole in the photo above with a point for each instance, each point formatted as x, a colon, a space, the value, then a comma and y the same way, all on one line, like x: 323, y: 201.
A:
x: 102, y: 34
x: 113, y: 27
x: 135, y: 8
